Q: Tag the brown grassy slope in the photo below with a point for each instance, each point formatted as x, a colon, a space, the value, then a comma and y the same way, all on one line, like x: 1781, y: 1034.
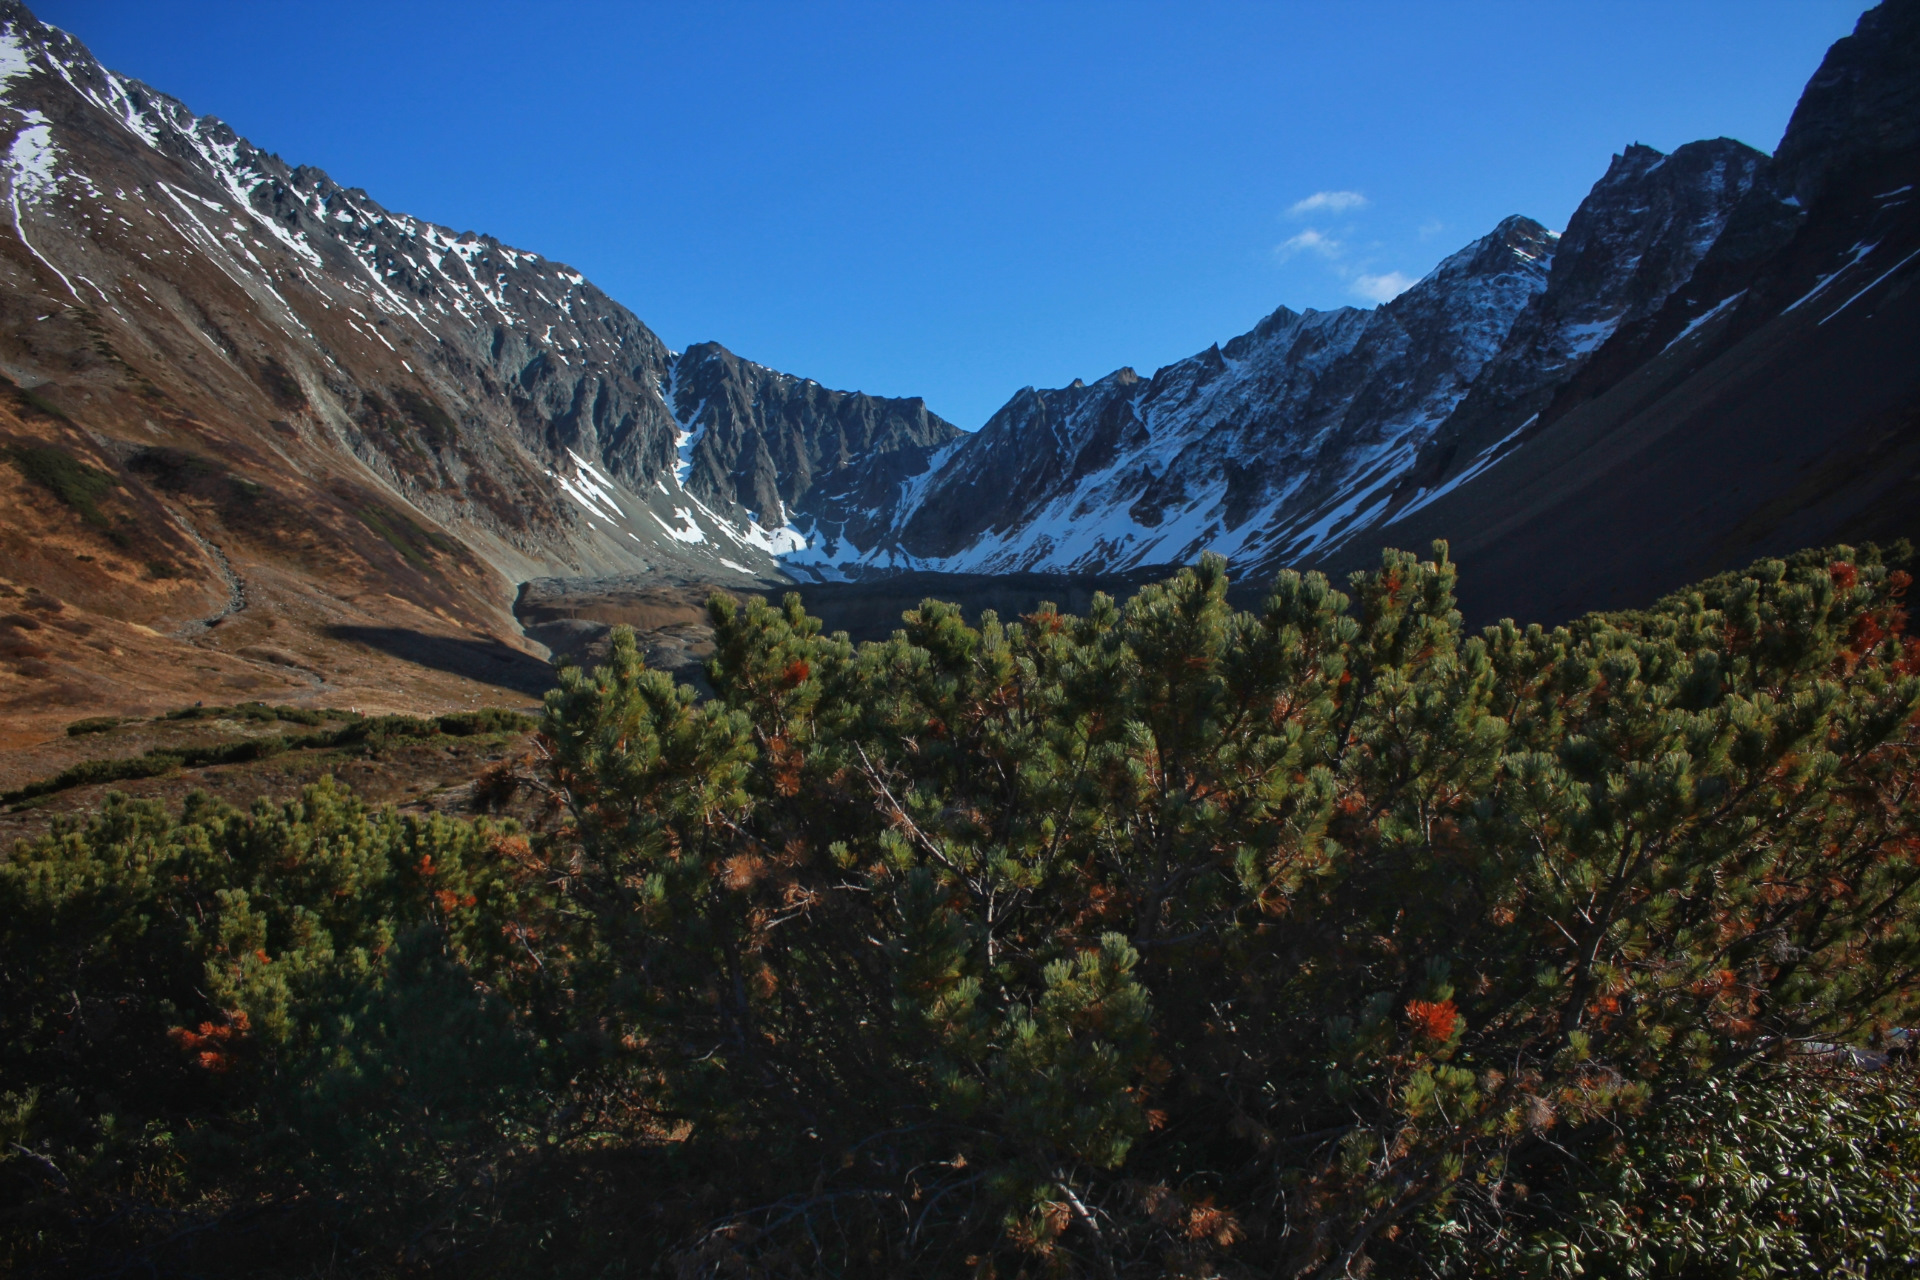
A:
x: 151, y: 555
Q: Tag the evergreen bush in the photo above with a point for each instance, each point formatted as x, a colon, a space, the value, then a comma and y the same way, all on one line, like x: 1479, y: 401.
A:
x: 1321, y: 940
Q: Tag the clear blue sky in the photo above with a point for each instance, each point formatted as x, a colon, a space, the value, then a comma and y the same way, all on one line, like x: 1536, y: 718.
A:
x: 956, y: 200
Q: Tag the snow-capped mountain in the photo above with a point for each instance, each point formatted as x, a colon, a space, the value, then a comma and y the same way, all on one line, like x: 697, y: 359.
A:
x: 1273, y: 445
x: 1316, y: 438
x: 494, y: 391
x: 1297, y: 437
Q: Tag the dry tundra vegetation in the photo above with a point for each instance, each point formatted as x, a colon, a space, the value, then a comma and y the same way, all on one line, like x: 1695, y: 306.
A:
x: 1321, y: 940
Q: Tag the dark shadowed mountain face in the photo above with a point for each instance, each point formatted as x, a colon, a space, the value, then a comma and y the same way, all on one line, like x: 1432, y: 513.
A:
x: 1772, y: 401
x: 1860, y: 110
x: 1637, y: 237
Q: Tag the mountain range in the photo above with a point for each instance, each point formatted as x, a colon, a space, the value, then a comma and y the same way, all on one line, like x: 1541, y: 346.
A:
x: 271, y: 439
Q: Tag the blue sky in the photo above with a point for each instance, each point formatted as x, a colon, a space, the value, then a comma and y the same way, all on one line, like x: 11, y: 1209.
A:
x: 957, y: 200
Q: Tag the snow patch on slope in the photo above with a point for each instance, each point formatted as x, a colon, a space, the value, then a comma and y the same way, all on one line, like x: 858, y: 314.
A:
x: 1288, y: 441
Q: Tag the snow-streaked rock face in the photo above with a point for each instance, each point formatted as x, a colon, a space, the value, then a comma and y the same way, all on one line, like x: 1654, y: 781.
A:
x: 1638, y: 236
x: 497, y: 391
x: 1291, y: 440
x: 789, y: 453
x: 534, y: 332
x: 1276, y: 445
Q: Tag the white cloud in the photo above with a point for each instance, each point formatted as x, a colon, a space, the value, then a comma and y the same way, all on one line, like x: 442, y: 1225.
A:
x: 1328, y: 202
x: 1382, y: 288
x: 1428, y: 230
x: 1308, y: 241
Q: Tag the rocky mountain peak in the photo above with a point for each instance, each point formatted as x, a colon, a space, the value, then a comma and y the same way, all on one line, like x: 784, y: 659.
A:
x: 366, y: 361
x: 1647, y: 223
x: 1251, y: 446
x: 1516, y: 236
x: 1634, y: 162
x: 1639, y: 235
x: 1516, y: 254
x: 782, y: 449
x: 1863, y: 102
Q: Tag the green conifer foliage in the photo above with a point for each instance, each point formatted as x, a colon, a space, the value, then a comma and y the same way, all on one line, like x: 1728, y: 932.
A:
x: 1413, y: 910
x: 215, y: 1012
x: 1320, y: 940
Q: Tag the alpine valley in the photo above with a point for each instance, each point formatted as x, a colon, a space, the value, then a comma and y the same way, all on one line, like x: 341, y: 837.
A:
x: 1361, y: 932
x: 270, y: 440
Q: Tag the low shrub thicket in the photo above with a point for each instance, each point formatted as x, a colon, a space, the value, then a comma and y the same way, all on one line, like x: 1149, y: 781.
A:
x: 374, y: 733
x: 1168, y: 940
